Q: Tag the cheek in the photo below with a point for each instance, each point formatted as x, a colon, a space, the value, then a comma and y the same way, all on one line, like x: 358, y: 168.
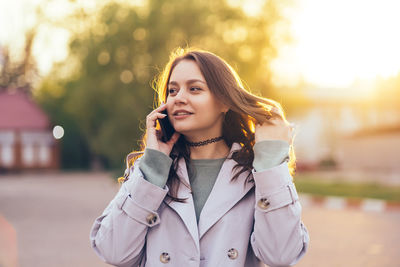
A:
x: 210, y: 114
x: 169, y: 105
x: 215, y: 108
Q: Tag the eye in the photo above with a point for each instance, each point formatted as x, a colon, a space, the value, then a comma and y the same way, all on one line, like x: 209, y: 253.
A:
x: 196, y: 88
x: 171, y: 90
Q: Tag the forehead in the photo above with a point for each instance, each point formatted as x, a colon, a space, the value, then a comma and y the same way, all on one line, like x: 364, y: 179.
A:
x: 185, y: 70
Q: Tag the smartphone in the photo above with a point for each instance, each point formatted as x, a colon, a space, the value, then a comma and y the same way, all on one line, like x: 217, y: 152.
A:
x: 166, y: 127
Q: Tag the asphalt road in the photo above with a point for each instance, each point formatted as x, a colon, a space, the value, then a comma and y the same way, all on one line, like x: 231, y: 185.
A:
x: 52, y: 215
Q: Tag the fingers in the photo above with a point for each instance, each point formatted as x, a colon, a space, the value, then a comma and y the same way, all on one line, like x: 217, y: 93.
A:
x: 270, y: 121
x: 276, y: 111
x: 154, y: 115
x: 151, y: 119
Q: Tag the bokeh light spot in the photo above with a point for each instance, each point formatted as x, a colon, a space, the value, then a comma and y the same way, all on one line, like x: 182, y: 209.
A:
x: 58, y: 132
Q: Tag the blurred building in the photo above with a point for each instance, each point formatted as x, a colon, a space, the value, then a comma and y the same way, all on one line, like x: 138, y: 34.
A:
x: 26, y: 140
x: 348, y: 136
x: 370, y: 149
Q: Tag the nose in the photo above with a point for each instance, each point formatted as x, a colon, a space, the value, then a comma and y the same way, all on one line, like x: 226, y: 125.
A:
x: 181, y: 96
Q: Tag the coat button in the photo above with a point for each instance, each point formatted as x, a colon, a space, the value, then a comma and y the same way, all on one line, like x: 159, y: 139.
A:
x: 151, y: 218
x: 263, y: 203
x: 233, y: 253
x: 164, y: 257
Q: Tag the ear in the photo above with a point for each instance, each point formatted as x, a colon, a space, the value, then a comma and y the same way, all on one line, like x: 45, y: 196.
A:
x: 225, y: 108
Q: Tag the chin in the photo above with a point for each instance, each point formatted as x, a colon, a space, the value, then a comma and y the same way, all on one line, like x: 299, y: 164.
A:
x: 182, y: 130
x: 181, y: 127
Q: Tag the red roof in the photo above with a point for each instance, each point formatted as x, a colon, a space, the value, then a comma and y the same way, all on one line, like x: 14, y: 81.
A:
x: 19, y: 112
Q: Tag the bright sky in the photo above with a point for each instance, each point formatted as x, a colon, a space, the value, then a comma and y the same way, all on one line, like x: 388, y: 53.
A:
x: 338, y: 43
x: 17, y: 16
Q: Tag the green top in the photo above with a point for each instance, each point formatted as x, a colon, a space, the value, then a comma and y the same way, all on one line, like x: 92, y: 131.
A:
x: 202, y: 176
x: 203, y: 172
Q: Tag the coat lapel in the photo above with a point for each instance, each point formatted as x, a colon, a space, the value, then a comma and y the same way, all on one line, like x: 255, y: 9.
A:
x: 185, y: 210
x: 224, y: 195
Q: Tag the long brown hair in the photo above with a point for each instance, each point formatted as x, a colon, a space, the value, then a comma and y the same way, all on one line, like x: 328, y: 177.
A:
x: 245, y: 110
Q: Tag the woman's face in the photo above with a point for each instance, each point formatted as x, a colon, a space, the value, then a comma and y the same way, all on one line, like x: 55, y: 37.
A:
x: 201, y: 113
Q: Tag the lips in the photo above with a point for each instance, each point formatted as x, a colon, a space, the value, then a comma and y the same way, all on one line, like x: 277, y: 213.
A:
x: 182, y: 112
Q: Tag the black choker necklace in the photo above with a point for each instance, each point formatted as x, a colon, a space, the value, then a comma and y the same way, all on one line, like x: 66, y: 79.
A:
x: 202, y: 143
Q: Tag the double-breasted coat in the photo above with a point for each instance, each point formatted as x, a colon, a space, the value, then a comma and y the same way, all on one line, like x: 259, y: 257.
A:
x: 241, y: 224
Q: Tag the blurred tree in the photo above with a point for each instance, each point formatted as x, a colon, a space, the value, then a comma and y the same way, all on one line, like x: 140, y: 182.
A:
x: 104, y: 86
x: 19, y: 73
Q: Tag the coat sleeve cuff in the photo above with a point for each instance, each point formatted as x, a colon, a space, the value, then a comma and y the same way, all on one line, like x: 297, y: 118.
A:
x: 155, y: 166
x: 143, y: 199
x: 270, y: 153
x: 274, y: 188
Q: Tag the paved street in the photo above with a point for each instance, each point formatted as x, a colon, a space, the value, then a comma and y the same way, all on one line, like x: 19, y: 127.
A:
x: 352, y: 238
x: 52, y: 215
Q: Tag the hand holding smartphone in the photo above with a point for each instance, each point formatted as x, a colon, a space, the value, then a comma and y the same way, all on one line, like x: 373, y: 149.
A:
x: 162, y: 140
x: 166, y: 127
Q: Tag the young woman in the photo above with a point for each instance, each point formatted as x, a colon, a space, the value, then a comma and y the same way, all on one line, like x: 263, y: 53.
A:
x: 220, y: 191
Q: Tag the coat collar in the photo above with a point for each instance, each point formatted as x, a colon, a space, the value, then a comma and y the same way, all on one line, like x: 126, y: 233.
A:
x: 224, y: 195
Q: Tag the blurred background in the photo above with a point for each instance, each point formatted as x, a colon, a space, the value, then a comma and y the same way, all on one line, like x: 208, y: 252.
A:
x: 76, y: 85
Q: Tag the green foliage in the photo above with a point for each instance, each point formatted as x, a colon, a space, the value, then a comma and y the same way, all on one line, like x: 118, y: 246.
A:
x: 347, y: 189
x: 102, y: 92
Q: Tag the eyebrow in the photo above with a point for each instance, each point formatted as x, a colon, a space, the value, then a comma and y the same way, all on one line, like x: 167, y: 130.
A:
x: 188, y: 81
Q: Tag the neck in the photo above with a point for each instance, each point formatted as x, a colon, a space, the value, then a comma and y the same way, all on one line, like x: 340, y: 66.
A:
x: 210, y: 151
x: 214, y: 150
